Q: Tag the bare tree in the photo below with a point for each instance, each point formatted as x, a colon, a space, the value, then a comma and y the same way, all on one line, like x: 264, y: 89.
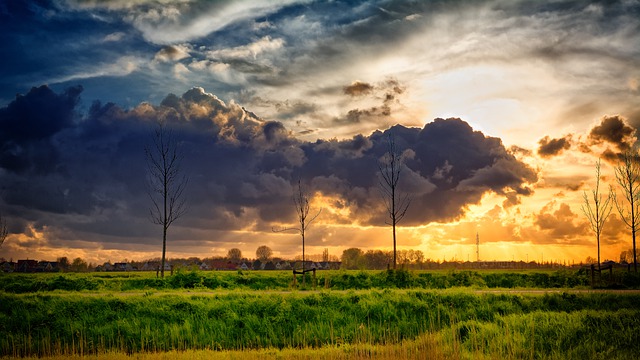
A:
x: 390, y: 166
x: 628, y: 177
x: 4, y: 232
x: 598, y: 212
x: 166, y: 183
x: 301, y: 200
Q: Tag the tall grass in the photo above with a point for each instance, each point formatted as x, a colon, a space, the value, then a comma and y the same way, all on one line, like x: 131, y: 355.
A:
x: 467, y: 325
x: 282, y: 280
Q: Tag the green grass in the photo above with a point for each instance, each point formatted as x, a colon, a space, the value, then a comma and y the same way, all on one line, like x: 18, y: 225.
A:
x: 467, y: 324
x: 282, y: 280
x: 354, y: 314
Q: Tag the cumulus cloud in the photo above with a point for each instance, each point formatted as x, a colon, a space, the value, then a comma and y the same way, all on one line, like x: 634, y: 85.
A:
x: 613, y: 130
x: 384, y: 93
x: 560, y: 222
x: 611, y: 136
x: 91, y: 168
x: 551, y: 147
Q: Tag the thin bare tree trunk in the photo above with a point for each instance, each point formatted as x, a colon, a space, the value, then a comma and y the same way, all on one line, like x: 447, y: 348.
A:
x: 301, y: 200
x: 628, y: 177
x: 390, y: 167
x: 166, y: 183
x: 597, y: 213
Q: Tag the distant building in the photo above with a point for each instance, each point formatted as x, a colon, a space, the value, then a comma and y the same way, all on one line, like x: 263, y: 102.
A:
x: 8, y: 266
x: 26, y: 266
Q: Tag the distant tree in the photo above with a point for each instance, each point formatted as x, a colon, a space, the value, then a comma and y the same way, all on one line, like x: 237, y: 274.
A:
x: 377, y: 259
x: 301, y: 201
x: 626, y: 256
x: 352, y: 258
x: 3, y: 229
x: 628, y: 177
x: 63, y: 263
x: 598, y: 211
x: 263, y: 253
x: 234, y: 254
x: 79, y: 265
x: 166, y: 183
x: 390, y: 167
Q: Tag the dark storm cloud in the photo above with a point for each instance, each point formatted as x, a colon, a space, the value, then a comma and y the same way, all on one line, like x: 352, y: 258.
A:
x: 449, y: 166
x: 551, y: 147
x: 240, y: 167
x: 28, y: 124
x: 615, y: 131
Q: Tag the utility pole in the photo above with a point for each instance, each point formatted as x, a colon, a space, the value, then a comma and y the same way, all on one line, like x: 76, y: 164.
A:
x: 477, y: 247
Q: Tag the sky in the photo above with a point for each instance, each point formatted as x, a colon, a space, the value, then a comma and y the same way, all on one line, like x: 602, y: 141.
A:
x: 500, y: 109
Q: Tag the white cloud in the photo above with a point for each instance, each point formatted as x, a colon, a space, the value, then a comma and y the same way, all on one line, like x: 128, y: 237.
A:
x: 251, y: 50
x: 122, y: 67
x: 116, y: 36
x: 186, y: 21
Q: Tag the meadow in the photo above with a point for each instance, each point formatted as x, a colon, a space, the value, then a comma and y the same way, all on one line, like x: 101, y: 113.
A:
x: 359, y: 314
x: 331, y: 279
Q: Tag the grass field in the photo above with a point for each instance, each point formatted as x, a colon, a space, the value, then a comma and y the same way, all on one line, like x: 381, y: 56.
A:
x: 137, y: 315
x: 336, y: 280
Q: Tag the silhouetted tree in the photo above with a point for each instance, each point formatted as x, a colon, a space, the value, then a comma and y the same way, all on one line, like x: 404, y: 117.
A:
x: 628, y: 177
x: 301, y: 201
x: 3, y: 229
x: 263, y: 253
x: 598, y: 212
x: 626, y: 256
x: 390, y: 167
x: 63, y: 263
x: 234, y: 254
x: 166, y: 183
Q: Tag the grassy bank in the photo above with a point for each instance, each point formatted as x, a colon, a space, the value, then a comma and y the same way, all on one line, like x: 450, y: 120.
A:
x: 461, y: 324
x: 282, y: 280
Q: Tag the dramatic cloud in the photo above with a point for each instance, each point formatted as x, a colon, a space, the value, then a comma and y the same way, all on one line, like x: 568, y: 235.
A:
x: 240, y: 167
x: 561, y: 224
x: 613, y: 130
x: 27, y: 126
x: 524, y: 73
x: 551, y: 147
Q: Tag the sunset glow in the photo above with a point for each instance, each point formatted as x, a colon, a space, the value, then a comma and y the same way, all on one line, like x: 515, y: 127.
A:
x: 501, y: 107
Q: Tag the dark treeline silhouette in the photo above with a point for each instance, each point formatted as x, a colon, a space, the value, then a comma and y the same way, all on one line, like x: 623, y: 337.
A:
x: 351, y: 259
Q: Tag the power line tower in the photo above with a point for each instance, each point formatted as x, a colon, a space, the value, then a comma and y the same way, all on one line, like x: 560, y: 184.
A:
x: 477, y: 247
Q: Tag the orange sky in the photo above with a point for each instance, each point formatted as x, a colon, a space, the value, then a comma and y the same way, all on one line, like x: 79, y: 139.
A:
x: 267, y: 91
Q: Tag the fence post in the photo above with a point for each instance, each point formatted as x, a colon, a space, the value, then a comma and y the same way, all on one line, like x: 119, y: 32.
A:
x: 315, y: 282
x: 593, y: 270
x: 611, y: 274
